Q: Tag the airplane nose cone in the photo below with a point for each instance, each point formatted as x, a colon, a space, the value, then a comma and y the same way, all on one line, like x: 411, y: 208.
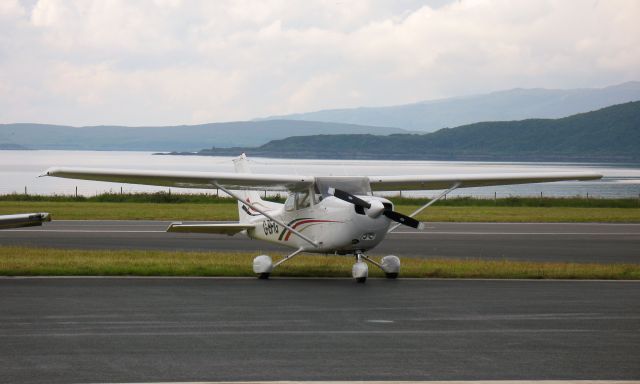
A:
x: 376, y: 209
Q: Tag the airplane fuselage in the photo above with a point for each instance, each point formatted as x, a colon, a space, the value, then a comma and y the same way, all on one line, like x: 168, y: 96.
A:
x: 334, y: 224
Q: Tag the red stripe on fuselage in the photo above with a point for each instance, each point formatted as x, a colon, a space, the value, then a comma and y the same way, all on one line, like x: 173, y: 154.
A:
x: 286, y: 238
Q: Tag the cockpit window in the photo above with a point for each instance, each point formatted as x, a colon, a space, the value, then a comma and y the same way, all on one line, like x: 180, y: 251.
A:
x: 303, y: 200
x: 297, y: 200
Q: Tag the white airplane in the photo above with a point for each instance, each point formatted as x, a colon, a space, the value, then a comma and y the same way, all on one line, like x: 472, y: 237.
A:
x: 23, y: 220
x: 337, y: 214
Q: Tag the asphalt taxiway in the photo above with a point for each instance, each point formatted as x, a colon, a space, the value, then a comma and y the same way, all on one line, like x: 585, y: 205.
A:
x: 565, y: 242
x: 62, y: 330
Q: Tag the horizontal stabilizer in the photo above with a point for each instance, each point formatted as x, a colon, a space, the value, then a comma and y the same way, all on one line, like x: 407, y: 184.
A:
x: 224, y: 229
x: 23, y: 220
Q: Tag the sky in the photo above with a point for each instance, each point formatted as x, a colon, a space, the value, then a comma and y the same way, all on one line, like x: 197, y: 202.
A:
x: 168, y: 62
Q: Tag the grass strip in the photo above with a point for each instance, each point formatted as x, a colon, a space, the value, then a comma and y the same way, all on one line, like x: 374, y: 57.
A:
x: 125, y: 211
x: 525, y: 214
x: 23, y: 261
x: 212, y: 198
x: 229, y: 212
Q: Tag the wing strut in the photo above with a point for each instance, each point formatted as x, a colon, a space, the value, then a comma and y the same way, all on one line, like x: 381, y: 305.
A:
x: 288, y: 257
x: 440, y: 196
x: 297, y: 233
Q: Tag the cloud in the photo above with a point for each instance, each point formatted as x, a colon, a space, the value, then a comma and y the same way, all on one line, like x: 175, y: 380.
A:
x: 159, y: 62
x: 11, y: 9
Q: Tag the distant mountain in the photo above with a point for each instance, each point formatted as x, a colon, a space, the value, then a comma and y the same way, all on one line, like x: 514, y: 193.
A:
x: 182, y: 138
x: 515, y: 104
x: 609, y: 134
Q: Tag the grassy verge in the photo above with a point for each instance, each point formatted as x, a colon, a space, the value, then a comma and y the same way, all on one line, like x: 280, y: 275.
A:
x: 169, y: 198
x: 18, y: 261
x: 83, y: 210
x: 572, y: 202
x: 124, y: 211
x: 527, y: 214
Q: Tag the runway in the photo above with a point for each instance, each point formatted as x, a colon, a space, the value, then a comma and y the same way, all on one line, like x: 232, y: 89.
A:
x: 565, y: 242
x: 61, y: 330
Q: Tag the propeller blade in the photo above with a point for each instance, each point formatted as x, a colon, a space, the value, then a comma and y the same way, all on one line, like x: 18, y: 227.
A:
x: 402, y: 219
x: 393, y: 215
x: 346, y: 196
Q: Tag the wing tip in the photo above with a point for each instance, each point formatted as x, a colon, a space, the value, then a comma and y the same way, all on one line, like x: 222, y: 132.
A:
x: 47, y: 172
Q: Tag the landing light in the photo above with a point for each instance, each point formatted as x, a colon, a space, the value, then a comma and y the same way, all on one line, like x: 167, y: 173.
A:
x: 368, y: 236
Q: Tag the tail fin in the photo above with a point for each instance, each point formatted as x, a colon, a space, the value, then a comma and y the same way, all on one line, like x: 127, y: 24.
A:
x: 244, y: 212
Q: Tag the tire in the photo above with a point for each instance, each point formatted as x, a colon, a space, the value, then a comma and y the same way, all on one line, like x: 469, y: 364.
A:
x: 361, y: 280
x: 263, y: 276
x: 391, y: 275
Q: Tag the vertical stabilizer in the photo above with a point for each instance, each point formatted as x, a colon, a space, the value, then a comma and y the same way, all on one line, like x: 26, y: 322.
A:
x: 242, y: 164
x: 245, y: 213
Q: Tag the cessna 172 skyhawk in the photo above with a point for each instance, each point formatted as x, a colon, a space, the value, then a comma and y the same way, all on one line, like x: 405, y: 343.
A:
x: 335, y: 214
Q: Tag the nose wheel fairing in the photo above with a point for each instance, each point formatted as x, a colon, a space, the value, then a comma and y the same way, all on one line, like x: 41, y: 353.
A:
x: 360, y: 270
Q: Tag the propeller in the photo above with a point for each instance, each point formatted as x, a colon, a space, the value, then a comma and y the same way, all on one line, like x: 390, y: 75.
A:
x: 375, y: 208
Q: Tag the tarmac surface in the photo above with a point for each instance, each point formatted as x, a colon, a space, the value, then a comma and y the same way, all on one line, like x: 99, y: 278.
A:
x: 564, y: 242
x: 66, y: 330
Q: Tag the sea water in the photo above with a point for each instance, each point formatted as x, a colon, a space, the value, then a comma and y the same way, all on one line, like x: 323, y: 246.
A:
x: 19, y: 171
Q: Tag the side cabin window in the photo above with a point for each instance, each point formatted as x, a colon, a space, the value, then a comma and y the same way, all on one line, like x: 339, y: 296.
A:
x: 297, y: 200
x: 303, y: 200
x: 290, y: 203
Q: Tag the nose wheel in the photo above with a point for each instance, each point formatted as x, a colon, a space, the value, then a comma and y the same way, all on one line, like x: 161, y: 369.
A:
x: 360, y: 270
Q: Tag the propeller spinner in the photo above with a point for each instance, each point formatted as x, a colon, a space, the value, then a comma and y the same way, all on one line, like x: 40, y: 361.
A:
x: 375, y: 208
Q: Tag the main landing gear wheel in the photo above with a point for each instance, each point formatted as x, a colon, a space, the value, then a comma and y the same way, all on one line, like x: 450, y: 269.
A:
x: 262, y: 266
x: 391, y: 266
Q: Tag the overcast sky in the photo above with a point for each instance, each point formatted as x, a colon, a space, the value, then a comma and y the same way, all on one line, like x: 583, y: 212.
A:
x: 169, y: 62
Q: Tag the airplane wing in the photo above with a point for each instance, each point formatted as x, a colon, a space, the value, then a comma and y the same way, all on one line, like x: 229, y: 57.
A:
x: 23, y: 220
x: 275, y: 182
x: 427, y: 182
x: 181, y: 179
x: 224, y: 228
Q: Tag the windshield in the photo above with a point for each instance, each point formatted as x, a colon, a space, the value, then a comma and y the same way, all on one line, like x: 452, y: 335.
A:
x: 353, y: 185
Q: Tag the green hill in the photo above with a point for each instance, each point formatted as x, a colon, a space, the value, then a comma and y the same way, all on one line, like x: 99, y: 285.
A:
x: 608, y: 134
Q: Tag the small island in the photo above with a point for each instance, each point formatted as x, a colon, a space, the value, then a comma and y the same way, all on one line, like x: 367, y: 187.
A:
x: 12, y: 147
